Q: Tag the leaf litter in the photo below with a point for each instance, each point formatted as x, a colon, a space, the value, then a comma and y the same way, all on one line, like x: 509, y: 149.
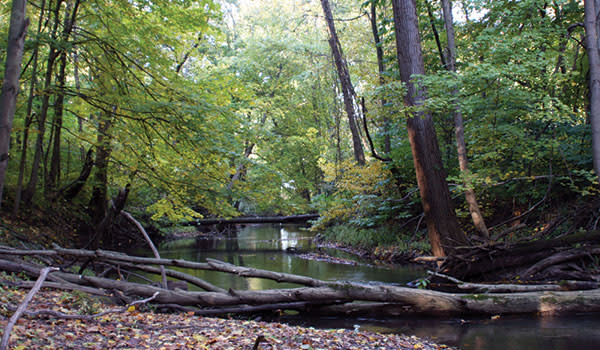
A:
x: 134, y: 329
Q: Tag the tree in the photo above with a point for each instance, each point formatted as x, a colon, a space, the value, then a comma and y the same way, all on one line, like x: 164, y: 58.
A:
x: 53, y: 53
x: 593, y: 52
x: 380, y: 71
x: 463, y: 161
x: 347, y: 88
x: 10, y: 85
x: 442, y: 225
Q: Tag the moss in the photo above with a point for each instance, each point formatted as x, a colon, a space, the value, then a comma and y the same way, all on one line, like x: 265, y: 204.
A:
x: 476, y: 297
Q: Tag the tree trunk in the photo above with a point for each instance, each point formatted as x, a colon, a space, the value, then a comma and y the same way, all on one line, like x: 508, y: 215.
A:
x: 591, y: 30
x: 10, y: 85
x: 78, y: 89
x: 28, y: 116
x: 54, y: 174
x: 380, y: 70
x: 71, y: 190
x: 37, y: 156
x: 98, y: 203
x: 442, y: 224
x: 347, y: 88
x: 463, y: 161
x: 436, y: 35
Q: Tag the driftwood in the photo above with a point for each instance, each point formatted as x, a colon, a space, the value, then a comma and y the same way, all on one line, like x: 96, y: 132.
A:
x: 312, y: 295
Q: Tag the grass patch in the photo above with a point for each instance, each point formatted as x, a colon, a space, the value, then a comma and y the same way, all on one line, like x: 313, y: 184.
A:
x: 375, y: 237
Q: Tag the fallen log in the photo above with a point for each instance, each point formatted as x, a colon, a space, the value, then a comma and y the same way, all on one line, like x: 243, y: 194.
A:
x: 490, y: 260
x: 331, y: 296
x: 254, y: 220
x: 512, y: 288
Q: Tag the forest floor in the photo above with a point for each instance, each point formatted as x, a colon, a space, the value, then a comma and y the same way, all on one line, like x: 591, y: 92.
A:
x: 133, y: 329
x: 144, y: 328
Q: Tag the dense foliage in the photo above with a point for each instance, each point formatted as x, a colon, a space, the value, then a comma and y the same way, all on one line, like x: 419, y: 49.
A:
x: 234, y: 107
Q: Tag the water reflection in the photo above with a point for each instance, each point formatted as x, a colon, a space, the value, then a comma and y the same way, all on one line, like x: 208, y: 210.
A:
x: 272, y: 247
x: 581, y: 332
x: 266, y: 247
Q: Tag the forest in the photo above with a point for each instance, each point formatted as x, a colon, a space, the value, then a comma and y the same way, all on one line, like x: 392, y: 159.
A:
x: 462, y: 135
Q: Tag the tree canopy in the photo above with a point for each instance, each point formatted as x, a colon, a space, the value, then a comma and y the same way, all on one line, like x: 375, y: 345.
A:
x: 226, y: 107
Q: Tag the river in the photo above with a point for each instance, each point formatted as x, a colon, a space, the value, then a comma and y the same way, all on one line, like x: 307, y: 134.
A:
x: 278, y: 248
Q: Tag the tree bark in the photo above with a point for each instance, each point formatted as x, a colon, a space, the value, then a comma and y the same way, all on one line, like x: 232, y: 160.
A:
x: 346, y: 83
x: 98, y: 203
x: 10, y: 86
x: 442, y: 224
x: 591, y: 31
x: 461, y: 147
x: 71, y: 190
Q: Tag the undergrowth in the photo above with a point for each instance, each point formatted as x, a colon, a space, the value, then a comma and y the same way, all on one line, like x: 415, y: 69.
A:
x: 370, y: 238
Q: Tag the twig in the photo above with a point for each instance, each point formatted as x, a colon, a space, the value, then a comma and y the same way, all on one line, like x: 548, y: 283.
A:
x: 419, y: 223
x: 507, y: 231
x: 528, y: 210
x: 259, y: 339
x: 23, y: 306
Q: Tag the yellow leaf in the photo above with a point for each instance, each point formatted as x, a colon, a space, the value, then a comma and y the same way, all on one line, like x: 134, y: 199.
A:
x: 131, y: 308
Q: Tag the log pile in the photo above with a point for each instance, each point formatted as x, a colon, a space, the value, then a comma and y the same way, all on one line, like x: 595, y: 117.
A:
x: 311, y: 295
x: 561, y: 258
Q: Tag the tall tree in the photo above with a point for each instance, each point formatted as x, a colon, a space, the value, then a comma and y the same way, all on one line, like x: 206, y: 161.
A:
x: 345, y: 81
x: 381, y: 72
x: 442, y: 224
x: 10, y: 85
x: 28, y: 113
x: 37, y: 155
x: 463, y: 161
x: 54, y: 175
x: 591, y: 31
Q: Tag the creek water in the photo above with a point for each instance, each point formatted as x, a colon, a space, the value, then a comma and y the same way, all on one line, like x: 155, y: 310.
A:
x: 282, y: 247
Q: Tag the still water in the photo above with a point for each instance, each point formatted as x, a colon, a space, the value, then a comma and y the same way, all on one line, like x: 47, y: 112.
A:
x: 278, y: 247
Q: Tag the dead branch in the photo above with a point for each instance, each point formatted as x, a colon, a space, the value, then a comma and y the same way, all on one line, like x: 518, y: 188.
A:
x: 149, y: 241
x: 559, y: 258
x: 23, y: 306
x: 177, y: 274
x: 498, y: 288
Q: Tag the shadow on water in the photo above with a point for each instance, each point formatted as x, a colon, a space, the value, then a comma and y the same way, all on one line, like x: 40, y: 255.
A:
x: 581, y: 332
x: 274, y: 247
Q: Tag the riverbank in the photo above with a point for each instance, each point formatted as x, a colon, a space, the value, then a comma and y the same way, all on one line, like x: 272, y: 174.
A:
x: 135, y: 329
